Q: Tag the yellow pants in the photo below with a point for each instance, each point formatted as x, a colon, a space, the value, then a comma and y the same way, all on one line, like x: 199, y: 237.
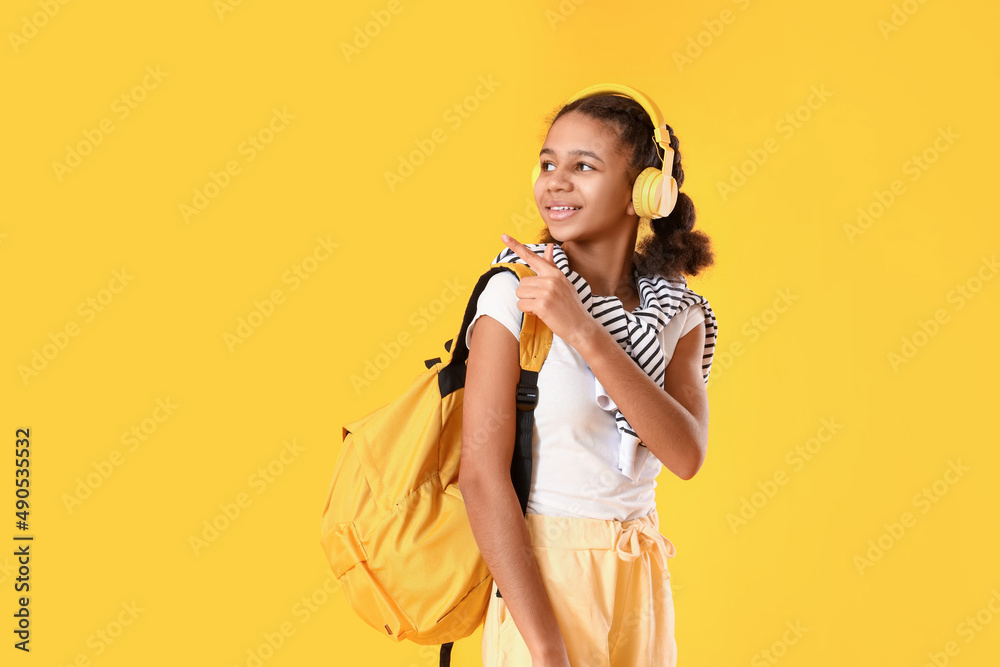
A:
x: 609, y: 586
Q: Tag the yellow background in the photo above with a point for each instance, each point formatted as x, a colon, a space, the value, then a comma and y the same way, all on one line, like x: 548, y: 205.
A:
x: 350, y: 117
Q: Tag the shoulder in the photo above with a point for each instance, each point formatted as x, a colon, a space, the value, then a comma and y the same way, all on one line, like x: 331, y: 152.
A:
x: 676, y: 297
x: 503, y: 283
x: 696, y: 343
x: 704, y: 308
x: 498, y: 299
x: 693, y: 302
x: 692, y: 316
x: 699, y: 310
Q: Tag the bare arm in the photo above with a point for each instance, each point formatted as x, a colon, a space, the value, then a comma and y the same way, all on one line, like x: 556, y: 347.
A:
x: 488, y: 434
x: 671, y: 421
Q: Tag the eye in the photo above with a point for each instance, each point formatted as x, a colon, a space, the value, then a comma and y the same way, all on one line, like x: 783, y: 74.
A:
x: 545, y: 165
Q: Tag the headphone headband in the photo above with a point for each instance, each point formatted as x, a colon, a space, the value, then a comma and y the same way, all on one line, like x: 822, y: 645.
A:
x: 659, y: 125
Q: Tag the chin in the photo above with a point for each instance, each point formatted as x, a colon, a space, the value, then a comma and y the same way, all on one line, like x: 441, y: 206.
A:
x: 554, y: 234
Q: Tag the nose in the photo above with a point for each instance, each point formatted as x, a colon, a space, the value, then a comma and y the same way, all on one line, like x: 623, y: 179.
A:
x: 559, y: 179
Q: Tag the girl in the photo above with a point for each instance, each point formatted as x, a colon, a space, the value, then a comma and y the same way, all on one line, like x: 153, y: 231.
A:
x: 583, y: 574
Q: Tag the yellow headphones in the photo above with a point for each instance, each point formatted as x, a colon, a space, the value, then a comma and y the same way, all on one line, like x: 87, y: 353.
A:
x: 649, y: 186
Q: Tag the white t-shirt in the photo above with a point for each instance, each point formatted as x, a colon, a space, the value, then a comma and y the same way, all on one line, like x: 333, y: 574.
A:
x: 575, y: 442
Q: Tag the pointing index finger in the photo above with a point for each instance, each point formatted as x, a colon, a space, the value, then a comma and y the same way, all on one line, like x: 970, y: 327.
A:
x: 537, y: 264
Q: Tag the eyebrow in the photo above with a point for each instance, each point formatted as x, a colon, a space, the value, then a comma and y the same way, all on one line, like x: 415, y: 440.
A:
x: 578, y: 151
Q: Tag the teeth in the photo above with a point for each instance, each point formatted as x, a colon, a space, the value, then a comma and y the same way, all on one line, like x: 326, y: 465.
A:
x: 565, y: 208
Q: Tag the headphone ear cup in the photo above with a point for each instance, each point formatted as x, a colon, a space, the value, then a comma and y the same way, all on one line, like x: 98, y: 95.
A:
x: 534, y: 174
x: 671, y: 194
x: 647, y: 194
x: 644, y: 192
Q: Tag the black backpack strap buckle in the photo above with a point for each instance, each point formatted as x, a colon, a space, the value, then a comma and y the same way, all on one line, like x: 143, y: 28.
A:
x: 527, y: 391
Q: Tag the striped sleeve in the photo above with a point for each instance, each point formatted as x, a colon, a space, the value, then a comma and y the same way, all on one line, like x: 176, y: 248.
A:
x: 711, y: 336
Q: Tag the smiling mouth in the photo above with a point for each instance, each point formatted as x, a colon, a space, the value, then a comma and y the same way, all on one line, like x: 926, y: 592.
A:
x: 561, y: 213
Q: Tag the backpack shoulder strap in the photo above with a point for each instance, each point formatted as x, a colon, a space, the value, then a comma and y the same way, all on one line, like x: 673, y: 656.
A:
x: 535, y: 343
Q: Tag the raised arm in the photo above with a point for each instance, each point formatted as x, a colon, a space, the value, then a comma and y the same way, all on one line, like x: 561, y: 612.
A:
x: 672, y: 421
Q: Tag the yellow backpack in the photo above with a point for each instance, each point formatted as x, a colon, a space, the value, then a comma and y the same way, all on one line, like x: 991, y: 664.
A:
x: 394, y: 526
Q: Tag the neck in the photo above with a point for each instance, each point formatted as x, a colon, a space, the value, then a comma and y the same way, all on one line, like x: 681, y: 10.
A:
x: 606, y: 265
